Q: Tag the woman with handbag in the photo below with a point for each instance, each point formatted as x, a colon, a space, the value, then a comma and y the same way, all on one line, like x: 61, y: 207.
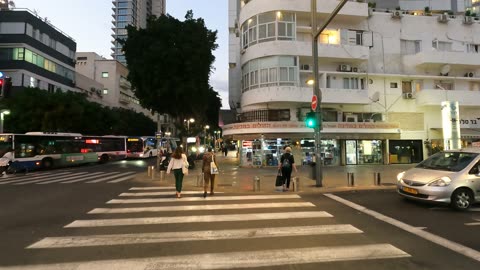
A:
x: 179, y: 164
x: 210, y: 169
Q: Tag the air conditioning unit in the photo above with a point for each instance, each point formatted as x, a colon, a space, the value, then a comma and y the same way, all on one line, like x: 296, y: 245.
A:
x: 469, y: 74
x: 443, y: 18
x: 408, y: 96
x: 354, y: 69
x: 345, y: 68
x: 397, y: 14
x: 467, y: 20
x: 305, y: 67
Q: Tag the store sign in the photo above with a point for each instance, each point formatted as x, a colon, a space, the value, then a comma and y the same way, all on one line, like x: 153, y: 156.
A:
x: 451, y: 125
x: 293, y: 125
x: 247, y: 144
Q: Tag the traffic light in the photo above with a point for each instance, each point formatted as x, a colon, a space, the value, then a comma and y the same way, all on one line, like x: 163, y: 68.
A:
x: 5, y: 87
x: 313, y: 120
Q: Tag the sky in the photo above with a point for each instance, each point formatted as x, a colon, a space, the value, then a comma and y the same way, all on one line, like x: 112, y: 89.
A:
x: 89, y: 22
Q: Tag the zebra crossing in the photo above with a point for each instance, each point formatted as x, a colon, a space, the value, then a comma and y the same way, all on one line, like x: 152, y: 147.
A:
x: 67, y: 177
x: 159, y: 202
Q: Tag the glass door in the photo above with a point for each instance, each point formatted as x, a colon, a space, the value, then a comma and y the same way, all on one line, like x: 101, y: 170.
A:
x: 351, y: 152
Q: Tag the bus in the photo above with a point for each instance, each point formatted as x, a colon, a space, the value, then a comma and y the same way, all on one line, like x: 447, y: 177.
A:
x: 141, y: 147
x: 38, y: 150
x: 108, y: 148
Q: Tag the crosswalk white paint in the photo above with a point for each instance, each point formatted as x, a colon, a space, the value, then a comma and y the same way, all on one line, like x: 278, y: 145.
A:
x: 152, y: 188
x: 242, y: 259
x: 6, y: 178
x: 159, y: 193
x: 195, y: 219
x: 70, y: 176
x: 20, y: 179
x: 200, y: 207
x: 83, y: 179
x: 147, y: 238
x: 217, y: 198
x: 111, y: 177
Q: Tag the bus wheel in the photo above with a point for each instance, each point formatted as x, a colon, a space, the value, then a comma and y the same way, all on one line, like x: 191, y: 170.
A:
x: 47, y: 163
x: 104, y: 158
x: 150, y: 155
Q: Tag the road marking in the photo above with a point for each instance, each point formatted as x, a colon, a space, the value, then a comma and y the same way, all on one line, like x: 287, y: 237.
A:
x: 121, y: 179
x: 473, y: 224
x: 158, y: 193
x: 147, y: 238
x: 461, y: 249
x: 110, y: 177
x: 199, y: 207
x: 16, y: 180
x: 241, y: 259
x: 26, y: 176
x: 70, y: 176
x: 195, y: 219
x: 151, y: 188
x: 217, y: 198
x: 86, y: 178
x: 82, y: 178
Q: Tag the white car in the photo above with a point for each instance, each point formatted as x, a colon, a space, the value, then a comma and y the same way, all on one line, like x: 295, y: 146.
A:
x: 451, y: 177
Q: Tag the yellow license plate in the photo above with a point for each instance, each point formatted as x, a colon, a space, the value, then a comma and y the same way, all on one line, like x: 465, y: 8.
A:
x: 410, y: 190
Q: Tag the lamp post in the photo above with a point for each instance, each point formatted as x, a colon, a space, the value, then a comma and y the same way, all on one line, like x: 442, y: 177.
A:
x: 316, y: 31
x: 2, y: 113
x: 205, y: 138
x: 191, y: 120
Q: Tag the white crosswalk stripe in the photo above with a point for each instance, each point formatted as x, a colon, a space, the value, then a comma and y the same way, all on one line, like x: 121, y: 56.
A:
x: 83, y: 179
x: 294, y: 209
x: 159, y: 193
x: 16, y: 180
x: 111, y: 177
x: 68, y: 177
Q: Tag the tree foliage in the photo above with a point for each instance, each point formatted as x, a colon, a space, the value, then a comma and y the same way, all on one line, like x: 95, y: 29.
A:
x: 33, y: 109
x: 170, y: 62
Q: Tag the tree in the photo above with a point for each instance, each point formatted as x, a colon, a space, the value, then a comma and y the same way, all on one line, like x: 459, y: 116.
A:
x: 169, y: 67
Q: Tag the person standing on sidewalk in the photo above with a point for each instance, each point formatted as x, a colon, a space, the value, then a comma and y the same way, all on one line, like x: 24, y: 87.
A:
x: 208, y: 177
x: 177, y: 163
x: 287, y: 164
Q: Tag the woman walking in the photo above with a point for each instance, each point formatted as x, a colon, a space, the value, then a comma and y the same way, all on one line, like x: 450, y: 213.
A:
x: 178, y: 163
x: 208, y: 177
x: 287, y: 163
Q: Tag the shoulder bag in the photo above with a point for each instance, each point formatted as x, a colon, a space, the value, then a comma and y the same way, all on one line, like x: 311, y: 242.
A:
x: 213, y: 166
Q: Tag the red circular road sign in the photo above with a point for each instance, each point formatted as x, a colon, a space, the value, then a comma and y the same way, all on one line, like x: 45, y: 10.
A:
x: 314, y: 102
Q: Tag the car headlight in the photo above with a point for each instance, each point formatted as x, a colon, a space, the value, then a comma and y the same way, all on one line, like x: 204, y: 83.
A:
x: 442, y: 182
x: 400, y: 176
x: 201, y: 149
x: 194, y: 149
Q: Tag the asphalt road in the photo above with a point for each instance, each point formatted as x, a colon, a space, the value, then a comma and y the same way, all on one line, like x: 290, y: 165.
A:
x: 122, y: 225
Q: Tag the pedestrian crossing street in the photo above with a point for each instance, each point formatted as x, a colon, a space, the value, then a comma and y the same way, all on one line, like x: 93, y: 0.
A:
x: 66, y: 177
x: 240, y: 216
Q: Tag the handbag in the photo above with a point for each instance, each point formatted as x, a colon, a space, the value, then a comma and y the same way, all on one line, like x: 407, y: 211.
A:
x: 280, y: 180
x: 185, y: 167
x: 213, y: 166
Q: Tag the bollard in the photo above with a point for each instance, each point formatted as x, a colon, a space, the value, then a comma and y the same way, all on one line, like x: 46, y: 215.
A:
x: 162, y: 175
x: 200, y: 180
x: 350, y: 179
x: 256, y: 183
x: 377, y: 181
x: 149, y: 171
x: 296, y: 183
x: 152, y: 169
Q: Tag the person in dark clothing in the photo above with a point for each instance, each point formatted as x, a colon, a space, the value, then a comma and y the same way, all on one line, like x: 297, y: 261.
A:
x: 287, y: 164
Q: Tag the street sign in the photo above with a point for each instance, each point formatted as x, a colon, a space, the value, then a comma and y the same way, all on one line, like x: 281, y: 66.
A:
x: 314, y: 102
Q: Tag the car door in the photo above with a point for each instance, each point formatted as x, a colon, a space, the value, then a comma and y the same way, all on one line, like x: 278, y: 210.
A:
x: 474, y: 179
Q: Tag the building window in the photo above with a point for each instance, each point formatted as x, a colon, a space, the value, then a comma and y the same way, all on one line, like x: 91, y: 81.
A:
x: 393, y: 85
x: 104, y: 74
x: 267, y: 27
x: 409, y: 46
x: 442, y: 45
x: 51, y: 88
x: 269, y: 71
x: 105, y: 91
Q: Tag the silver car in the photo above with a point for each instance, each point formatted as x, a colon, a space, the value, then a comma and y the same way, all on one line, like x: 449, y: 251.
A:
x: 451, y: 177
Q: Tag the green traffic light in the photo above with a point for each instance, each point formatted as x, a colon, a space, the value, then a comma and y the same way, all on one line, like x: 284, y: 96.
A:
x: 310, y: 120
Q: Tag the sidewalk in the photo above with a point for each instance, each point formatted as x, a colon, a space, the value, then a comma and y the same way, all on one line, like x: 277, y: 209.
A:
x: 233, y: 179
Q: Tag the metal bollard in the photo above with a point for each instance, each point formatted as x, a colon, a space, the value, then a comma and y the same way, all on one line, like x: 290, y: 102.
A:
x: 162, y: 175
x: 149, y: 170
x: 200, y: 180
x: 377, y: 181
x: 152, y: 169
x: 296, y: 183
x: 256, y: 183
x: 350, y: 179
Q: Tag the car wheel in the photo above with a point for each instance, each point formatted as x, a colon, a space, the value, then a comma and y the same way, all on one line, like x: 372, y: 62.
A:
x: 47, y: 163
x: 104, y: 158
x: 462, y: 199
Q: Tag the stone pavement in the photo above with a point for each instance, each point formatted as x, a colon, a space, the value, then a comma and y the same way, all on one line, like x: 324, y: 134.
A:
x: 233, y: 179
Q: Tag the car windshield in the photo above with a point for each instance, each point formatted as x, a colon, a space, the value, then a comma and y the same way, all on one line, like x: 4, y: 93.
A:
x: 447, y: 161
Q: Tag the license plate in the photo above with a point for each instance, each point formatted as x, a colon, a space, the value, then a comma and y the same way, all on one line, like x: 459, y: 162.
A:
x: 410, y: 190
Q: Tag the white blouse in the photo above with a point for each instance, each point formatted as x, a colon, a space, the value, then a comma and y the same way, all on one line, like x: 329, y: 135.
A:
x: 177, y: 163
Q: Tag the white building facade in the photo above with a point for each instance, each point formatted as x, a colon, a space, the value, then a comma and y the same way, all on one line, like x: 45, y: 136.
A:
x: 383, y: 77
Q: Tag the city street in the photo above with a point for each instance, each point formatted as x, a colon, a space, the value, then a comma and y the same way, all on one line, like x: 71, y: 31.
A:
x: 136, y: 224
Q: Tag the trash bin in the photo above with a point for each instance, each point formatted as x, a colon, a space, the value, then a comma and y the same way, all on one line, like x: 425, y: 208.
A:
x: 313, y: 171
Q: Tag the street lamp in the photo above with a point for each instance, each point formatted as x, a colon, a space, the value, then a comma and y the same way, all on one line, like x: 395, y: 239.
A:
x: 191, y: 120
x: 205, y: 131
x: 2, y: 113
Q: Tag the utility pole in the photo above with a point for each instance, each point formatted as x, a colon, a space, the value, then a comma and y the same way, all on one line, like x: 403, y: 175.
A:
x: 316, y: 31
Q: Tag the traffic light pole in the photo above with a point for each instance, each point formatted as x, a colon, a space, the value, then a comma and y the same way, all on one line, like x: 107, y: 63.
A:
x: 316, y: 89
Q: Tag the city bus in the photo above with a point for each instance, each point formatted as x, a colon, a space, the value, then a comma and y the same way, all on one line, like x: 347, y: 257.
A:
x: 108, y: 148
x: 141, y: 147
x: 39, y: 150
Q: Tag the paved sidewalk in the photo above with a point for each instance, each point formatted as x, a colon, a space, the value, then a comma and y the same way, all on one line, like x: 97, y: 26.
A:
x: 233, y: 179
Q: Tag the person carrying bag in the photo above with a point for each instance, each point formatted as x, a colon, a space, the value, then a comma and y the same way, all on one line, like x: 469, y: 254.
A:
x: 177, y: 164
x: 210, y: 169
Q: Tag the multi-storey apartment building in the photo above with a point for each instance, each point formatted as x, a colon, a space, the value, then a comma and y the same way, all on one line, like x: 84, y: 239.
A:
x: 455, y: 6
x: 131, y: 12
x: 35, y: 53
x: 383, y: 78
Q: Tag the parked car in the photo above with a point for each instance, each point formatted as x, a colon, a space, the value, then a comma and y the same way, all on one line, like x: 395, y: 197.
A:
x: 449, y: 177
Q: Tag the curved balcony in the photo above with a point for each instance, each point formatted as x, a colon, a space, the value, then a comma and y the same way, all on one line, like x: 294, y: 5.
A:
x: 339, y: 53
x: 434, y: 97
x: 439, y: 58
x: 294, y: 94
x: 351, y: 11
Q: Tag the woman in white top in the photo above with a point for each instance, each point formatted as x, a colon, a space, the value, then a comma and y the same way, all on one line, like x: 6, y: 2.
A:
x: 179, y: 164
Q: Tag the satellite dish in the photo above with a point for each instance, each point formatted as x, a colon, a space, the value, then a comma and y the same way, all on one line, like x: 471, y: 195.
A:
x: 375, y: 97
x: 445, y: 70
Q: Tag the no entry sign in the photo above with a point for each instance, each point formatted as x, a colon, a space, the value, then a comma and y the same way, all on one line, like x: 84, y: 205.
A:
x: 314, y: 102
